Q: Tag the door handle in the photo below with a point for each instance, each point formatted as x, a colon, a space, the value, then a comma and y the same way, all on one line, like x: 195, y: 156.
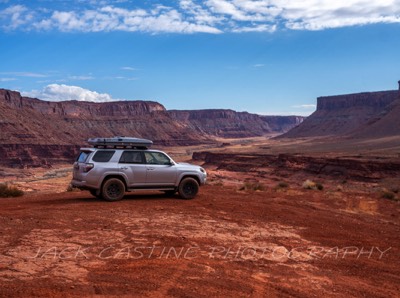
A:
x: 124, y: 168
x: 150, y: 169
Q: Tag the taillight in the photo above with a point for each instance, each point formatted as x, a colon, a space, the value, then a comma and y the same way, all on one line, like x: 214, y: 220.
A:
x: 87, y: 167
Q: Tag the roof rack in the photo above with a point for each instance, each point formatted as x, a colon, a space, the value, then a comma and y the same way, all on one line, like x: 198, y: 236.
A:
x: 120, y: 142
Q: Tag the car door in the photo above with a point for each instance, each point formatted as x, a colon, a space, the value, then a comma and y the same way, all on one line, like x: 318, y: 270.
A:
x: 160, y: 170
x: 132, y: 164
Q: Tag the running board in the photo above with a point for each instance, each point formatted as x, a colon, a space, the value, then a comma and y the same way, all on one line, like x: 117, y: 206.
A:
x: 151, y: 188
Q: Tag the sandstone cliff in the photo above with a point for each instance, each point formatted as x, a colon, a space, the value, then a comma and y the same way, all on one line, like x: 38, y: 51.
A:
x: 32, y: 121
x: 36, y: 132
x: 350, y: 115
x: 231, y: 124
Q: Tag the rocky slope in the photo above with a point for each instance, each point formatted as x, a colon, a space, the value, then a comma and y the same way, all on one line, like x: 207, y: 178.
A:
x: 368, y: 114
x: 36, y: 132
x: 231, y: 124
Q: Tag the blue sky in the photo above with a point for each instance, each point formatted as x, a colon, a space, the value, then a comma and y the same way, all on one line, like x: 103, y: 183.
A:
x: 264, y: 56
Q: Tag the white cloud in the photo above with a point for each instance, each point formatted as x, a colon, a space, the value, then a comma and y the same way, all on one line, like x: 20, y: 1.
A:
x: 122, y: 78
x: 109, y: 18
x: 210, y: 16
x: 258, y: 65
x: 128, y: 68
x: 55, y: 92
x: 258, y: 28
x: 199, y: 14
x: 7, y: 79
x: 81, y: 78
x: 18, y: 15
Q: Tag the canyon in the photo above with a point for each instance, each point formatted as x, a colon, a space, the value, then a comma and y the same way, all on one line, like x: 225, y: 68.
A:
x: 34, y: 132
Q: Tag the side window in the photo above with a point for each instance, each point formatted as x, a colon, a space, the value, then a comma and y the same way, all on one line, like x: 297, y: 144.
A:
x: 131, y: 157
x: 103, y: 155
x: 83, y: 156
x: 157, y: 158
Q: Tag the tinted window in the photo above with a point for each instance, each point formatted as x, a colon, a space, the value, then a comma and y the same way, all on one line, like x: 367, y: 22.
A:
x: 103, y: 155
x: 157, y: 158
x: 82, y: 156
x: 131, y: 157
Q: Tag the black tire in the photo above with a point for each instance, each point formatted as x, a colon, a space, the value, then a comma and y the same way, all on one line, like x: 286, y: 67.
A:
x: 188, y: 188
x: 169, y: 193
x: 113, y: 190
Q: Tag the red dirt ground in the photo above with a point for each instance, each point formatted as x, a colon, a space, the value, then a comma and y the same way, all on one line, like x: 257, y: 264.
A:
x: 225, y: 242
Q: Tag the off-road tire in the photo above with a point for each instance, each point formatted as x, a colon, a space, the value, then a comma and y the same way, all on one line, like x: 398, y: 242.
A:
x: 113, y: 190
x: 188, y: 188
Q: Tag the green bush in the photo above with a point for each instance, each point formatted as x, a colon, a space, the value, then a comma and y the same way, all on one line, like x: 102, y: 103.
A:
x: 10, y: 191
x: 386, y: 194
x: 283, y: 184
x: 253, y: 186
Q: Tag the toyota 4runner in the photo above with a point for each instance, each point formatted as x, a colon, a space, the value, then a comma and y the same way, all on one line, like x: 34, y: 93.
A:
x: 116, y: 165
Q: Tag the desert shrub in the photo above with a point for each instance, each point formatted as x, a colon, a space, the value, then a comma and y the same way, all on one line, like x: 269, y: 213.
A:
x: 7, y: 191
x: 308, y: 184
x: 283, y: 184
x: 339, y: 188
x: 387, y: 194
x: 391, y: 184
x: 252, y: 186
x: 319, y: 186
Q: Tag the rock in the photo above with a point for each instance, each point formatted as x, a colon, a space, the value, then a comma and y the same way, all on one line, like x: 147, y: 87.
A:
x: 368, y: 114
x: 232, y: 124
x: 349, y: 168
x: 37, y: 133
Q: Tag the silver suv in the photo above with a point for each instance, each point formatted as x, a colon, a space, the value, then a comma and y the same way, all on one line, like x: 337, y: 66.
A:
x: 116, y: 165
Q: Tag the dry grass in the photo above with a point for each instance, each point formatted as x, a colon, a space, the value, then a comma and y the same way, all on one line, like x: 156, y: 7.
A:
x: 253, y: 186
x: 282, y: 184
x: 7, y: 191
x: 308, y: 184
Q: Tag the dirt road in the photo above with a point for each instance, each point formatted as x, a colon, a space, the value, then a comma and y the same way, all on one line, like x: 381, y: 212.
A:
x: 225, y: 242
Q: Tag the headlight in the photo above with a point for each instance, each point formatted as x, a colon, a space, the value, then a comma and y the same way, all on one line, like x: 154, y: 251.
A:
x: 203, y: 171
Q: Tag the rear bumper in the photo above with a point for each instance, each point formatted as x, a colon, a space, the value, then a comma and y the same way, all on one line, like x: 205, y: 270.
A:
x: 81, y: 185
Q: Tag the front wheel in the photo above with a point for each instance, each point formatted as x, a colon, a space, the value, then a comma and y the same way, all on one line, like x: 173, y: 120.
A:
x: 113, y: 190
x: 188, y: 188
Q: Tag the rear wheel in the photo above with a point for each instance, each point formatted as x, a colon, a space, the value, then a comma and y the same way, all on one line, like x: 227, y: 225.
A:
x: 188, y: 188
x: 113, y: 190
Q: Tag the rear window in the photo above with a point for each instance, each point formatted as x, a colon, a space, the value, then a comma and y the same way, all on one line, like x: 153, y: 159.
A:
x: 83, y: 156
x: 103, y: 155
